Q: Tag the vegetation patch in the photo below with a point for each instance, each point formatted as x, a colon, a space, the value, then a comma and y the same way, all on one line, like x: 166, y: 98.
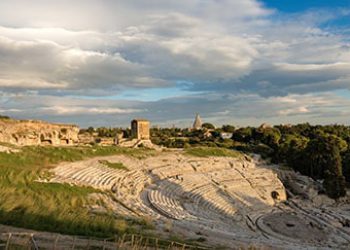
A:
x: 208, y: 151
x: 4, y: 117
x: 114, y: 165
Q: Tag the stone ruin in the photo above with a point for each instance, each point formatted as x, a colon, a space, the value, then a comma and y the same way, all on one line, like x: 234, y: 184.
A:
x: 140, y: 129
x: 28, y: 132
x: 140, y: 136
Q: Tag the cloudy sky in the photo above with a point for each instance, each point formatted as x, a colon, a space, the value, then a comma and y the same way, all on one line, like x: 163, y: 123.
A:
x: 241, y: 62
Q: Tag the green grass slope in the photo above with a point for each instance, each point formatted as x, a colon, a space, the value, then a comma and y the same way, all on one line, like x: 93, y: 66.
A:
x: 211, y: 151
x: 24, y: 202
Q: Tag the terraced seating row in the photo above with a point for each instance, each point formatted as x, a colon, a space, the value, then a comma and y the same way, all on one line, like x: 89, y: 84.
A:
x: 226, y: 175
x: 210, y: 166
x: 169, y: 171
x: 129, y: 190
x: 98, y: 176
x: 209, y: 198
x: 166, y: 205
x: 170, y: 192
x: 235, y: 185
x: 259, y: 174
x: 66, y: 170
x: 131, y: 183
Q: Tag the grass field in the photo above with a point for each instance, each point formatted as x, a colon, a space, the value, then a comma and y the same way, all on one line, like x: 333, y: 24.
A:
x: 211, y: 151
x: 114, y: 165
x: 24, y: 202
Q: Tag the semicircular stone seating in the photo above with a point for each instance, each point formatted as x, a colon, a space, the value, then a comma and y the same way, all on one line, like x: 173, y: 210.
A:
x: 129, y: 190
x: 90, y: 174
x: 201, y: 200
x: 209, y: 192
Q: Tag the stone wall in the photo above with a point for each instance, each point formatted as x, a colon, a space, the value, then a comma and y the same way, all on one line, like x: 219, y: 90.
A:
x: 30, y: 132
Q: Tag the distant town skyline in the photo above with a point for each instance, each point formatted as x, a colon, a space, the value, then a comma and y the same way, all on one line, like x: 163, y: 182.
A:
x: 241, y: 62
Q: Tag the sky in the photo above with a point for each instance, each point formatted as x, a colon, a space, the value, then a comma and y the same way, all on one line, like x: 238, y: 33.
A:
x: 240, y: 62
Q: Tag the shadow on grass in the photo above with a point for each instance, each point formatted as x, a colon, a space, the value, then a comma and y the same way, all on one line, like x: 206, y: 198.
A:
x: 20, y: 217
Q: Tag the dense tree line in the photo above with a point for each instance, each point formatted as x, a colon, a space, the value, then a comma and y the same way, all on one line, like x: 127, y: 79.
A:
x: 321, y: 152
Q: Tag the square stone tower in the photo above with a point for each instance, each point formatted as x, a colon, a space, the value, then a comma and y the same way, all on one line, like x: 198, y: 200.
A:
x: 140, y: 129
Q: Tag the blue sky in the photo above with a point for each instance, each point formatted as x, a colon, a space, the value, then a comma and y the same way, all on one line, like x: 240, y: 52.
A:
x: 300, y: 5
x: 241, y: 62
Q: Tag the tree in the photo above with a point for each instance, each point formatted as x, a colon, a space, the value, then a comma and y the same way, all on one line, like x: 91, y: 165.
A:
x: 228, y: 128
x: 290, y: 150
x: 334, y: 186
x: 126, y: 133
x: 268, y: 136
x: 216, y: 134
x: 342, y: 144
x: 208, y: 125
x: 90, y: 130
x: 243, y: 134
x: 324, y: 162
x: 346, y: 165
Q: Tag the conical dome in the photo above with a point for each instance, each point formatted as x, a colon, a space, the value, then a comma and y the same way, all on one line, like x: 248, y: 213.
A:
x: 197, y: 122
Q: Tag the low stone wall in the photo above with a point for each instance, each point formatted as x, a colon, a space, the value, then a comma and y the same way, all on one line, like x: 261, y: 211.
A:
x: 28, y: 132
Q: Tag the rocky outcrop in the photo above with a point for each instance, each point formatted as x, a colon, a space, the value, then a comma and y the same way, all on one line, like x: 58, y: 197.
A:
x: 28, y: 132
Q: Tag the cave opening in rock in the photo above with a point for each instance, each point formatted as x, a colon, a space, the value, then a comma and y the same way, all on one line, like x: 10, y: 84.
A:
x: 275, y: 195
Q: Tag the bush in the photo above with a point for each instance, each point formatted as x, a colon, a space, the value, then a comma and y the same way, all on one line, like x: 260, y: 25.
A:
x: 4, y: 117
x: 334, y: 186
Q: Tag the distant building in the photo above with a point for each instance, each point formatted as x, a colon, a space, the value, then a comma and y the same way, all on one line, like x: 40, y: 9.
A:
x: 226, y: 135
x: 197, y: 122
x: 140, y: 129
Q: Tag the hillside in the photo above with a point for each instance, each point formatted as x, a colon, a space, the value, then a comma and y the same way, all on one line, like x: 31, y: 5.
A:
x: 199, y: 195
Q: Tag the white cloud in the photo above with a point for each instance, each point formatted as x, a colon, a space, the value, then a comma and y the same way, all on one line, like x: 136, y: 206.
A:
x: 232, y: 52
x: 241, y: 109
x: 112, y: 15
x: 66, y: 110
x: 294, y: 111
x: 28, y: 83
x: 161, y: 43
x: 43, y: 64
x: 313, y: 67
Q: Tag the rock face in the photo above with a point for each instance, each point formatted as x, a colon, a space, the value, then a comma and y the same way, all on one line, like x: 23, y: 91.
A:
x: 30, y: 132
